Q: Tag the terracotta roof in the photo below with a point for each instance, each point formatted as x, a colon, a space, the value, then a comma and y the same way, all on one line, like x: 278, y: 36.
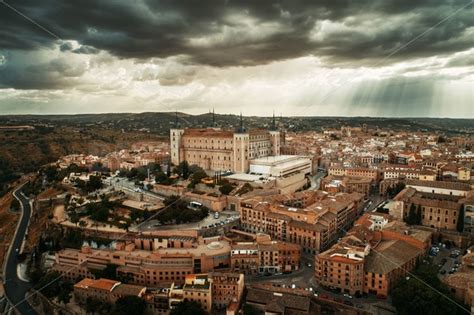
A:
x: 128, y: 289
x: 440, y: 184
x: 101, y: 284
x: 389, y: 255
x: 208, y: 132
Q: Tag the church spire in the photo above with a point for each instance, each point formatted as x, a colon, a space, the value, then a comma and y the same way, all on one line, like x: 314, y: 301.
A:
x: 273, y: 122
x: 176, y: 121
x: 241, y: 124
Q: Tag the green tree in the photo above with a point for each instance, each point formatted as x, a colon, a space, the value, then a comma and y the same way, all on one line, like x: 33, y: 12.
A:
x: 188, y: 308
x: 109, y: 272
x: 226, y: 188
x: 250, y: 310
x: 129, y: 305
x: 418, y: 215
x: 64, y: 295
x: 51, y: 173
x: 95, y: 306
x: 411, y: 218
x: 460, y: 223
x: 94, y: 183
x: 411, y: 296
x: 183, y: 169
x: 49, y: 284
x: 15, y: 205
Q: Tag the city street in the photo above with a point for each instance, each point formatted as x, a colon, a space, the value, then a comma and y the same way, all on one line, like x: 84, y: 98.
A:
x: 16, y: 288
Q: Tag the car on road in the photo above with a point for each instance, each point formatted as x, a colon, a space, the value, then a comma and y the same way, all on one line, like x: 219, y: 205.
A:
x: 442, y: 272
x: 309, y: 265
x: 348, y: 303
x: 347, y: 295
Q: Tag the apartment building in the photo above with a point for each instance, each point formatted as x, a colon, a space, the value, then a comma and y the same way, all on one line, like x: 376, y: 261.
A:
x: 312, y: 225
x: 227, y: 288
x: 440, y: 203
x: 214, y: 291
x: 197, y: 288
x: 264, y: 257
x: 372, y: 257
x: 144, y: 267
x: 365, y: 172
x: 105, y: 290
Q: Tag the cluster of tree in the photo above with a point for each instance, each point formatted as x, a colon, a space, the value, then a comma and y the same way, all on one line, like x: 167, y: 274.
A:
x: 127, y: 305
x: 194, y: 172
x: 177, y: 211
x: 15, y: 205
x: 6, y: 175
x: 414, y: 215
x: 53, y: 285
x: 225, y: 187
x: 53, y: 173
x: 100, y: 211
x: 460, y: 222
x: 33, y: 187
x: 94, y: 183
x: 188, y: 308
x: 393, y: 191
x: 412, y: 296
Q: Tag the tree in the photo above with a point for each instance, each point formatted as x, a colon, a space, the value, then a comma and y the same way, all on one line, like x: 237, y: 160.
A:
x: 94, y: 183
x: 197, y: 176
x: 64, y: 295
x: 129, y: 305
x: 250, y: 310
x: 411, y: 296
x: 418, y: 215
x: 460, y: 223
x: 411, y: 218
x: 95, y: 306
x: 51, y: 173
x: 188, y: 308
x: 109, y: 272
x: 183, y: 169
x: 74, y: 217
x: 49, y: 284
x: 168, y: 168
x: 15, y: 205
x: 226, y: 188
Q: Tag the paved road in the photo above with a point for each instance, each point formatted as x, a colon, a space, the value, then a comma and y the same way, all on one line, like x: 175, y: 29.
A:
x: 316, y: 180
x: 15, y: 288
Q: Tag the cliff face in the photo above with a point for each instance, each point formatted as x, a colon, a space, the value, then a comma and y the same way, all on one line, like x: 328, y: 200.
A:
x: 25, y: 151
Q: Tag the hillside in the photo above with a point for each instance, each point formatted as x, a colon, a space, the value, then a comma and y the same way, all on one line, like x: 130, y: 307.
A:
x: 26, y: 150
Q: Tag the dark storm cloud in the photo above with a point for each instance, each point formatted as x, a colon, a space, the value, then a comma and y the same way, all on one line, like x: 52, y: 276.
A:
x: 55, y: 74
x: 144, y: 29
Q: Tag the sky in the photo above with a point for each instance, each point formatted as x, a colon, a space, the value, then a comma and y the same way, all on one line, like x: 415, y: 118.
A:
x: 391, y: 58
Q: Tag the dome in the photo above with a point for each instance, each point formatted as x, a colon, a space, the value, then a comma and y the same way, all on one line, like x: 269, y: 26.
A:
x: 214, y: 245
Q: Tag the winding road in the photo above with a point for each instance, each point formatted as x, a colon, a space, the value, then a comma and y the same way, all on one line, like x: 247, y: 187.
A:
x: 15, y: 288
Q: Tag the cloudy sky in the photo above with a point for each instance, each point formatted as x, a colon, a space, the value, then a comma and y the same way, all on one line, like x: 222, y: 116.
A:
x: 325, y: 57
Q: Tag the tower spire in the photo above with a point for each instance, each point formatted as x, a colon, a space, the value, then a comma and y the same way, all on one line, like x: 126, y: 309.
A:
x: 241, y: 126
x: 213, y: 118
x: 176, y: 122
x: 273, y: 122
